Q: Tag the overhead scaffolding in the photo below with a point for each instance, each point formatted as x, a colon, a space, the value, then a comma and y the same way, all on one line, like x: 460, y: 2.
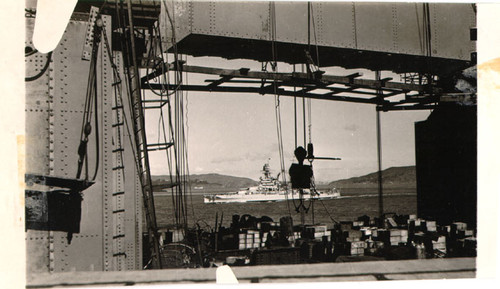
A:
x: 423, y: 96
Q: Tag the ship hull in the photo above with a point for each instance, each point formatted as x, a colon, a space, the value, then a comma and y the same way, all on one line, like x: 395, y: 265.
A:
x: 262, y: 197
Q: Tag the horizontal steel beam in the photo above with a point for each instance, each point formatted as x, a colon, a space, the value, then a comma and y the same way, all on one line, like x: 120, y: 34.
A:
x: 327, y: 158
x: 406, y: 107
x: 61, y: 182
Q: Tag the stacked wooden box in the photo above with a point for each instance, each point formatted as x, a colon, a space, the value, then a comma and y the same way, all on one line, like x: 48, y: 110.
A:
x: 251, y: 240
x: 392, y: 237
x: 357, y: 248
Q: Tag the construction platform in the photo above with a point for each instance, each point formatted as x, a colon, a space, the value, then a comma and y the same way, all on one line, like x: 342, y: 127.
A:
x: 449, y: 268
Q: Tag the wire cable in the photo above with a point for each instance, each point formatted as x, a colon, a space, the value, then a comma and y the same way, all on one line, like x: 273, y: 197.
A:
x: 277, y: 109
x: 44, y: 69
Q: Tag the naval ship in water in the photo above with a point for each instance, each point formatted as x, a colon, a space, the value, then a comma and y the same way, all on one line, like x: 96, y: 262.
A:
x: 268, y: 190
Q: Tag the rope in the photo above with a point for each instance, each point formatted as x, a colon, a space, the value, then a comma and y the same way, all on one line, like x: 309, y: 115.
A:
x: 428, y: 40
x: 315, y: 39
x: 418, y: 28
x: 277, y: 107
x: 96, y: 117
x: 309, y: 116
x: 180, y: 146
x: 379, y: 155
x: 327, y: 212
x: 304, y: 115
x: 313, y: 185
x: 309, y: 26
x: 91, y: 102
x: 309, y: 60
x: 295, y: 109
x: 161, y: 123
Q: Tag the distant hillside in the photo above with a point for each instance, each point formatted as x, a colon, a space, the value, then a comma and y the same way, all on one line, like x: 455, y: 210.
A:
x: 395, y: 177
x: 209, y: 181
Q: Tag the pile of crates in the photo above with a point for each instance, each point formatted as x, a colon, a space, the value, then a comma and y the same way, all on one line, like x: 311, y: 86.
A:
x: 364, y: 237
x: 256, y: 237
x: 462, y: 239
x: 357, y: 248
x: 316, y: 232
x: 391, y: 237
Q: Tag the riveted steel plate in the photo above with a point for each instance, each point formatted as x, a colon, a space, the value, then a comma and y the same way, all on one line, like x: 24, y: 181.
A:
x: 447, y: 40
x: 37, y: 146
x: 335, y: 20
x: 70, y: 85
x: 408, y: 28
x: 374, y: 26
x: 183, y: 20
x: 245, y: 21
x: 391, y: 28
x: 37, y: 251
x: 201, y: 17
x: 291, y: 22
x: 53, y: 123
x: 36, y: 109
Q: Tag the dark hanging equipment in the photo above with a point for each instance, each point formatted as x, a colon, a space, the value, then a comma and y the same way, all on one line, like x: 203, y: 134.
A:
x: 310, y: 152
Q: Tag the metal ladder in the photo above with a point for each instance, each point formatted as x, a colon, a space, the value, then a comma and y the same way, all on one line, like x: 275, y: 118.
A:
x: 118, y: 196
x: 142, y: 147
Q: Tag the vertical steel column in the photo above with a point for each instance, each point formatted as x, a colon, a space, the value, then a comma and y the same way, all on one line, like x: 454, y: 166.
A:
x: 142, y: 147
x: 379, y: 156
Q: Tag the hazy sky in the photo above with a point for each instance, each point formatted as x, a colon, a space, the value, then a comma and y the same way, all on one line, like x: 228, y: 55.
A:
x: 235, y: 134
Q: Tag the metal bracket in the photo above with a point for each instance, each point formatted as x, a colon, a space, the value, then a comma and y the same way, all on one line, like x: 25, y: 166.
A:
x: 89, y: 35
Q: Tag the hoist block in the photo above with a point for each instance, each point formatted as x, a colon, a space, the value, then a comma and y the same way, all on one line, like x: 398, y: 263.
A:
x: 301, y: 176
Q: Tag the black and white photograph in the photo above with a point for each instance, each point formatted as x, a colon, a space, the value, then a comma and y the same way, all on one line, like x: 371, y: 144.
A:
x: 172, y: 142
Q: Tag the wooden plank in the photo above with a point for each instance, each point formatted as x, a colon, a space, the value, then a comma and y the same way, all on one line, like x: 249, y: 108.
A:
x: 291, y: 77
x: 266, y: 90
x: 220, y: 81
x: 405, y: 270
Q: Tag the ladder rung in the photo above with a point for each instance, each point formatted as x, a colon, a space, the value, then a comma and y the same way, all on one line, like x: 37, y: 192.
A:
x: 119, y: 236
x: 117, y: 124
x: 156, y: 100
x: 119, y: 211
x: 120, y: 254
x: 118, y: 150
x: 166, y: 144
x: 158, y: 149
x: 118, y: 168
x: 117, y: 107
x: 118, y: 193
x: 116, y: 83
